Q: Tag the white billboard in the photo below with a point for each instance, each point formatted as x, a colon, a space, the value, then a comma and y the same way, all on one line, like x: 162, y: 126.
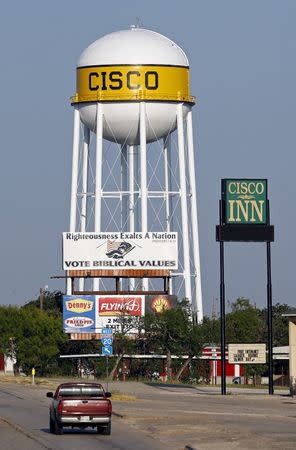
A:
x: 120, y: 250
x: 247, y: 353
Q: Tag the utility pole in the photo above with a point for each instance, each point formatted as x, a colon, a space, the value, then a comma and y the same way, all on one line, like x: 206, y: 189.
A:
x: 41, y: 297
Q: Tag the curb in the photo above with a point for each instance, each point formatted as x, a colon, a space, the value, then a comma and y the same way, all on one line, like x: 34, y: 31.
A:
x: 117, y: 415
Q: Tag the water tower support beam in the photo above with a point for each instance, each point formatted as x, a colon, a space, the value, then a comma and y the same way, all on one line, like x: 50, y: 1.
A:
x: 167, y: 188
x: 131, y: 172
x: 194, y: 221
x: 183, y: 195
x: 73, y: 204
x: 123, y: 195
x: 83, y: 213
x: 98, y: 183
x: 144, y: 196
x: 124, y: 188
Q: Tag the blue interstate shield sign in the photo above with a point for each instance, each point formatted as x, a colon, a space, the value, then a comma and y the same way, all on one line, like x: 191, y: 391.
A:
x: 107, y: 341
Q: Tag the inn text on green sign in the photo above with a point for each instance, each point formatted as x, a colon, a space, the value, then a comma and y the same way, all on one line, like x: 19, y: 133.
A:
x: 245, y: 201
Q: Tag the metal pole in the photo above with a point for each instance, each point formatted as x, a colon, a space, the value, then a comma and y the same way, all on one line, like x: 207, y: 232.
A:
x: 166, y: 149
x: 41, y: 298
x: 131, y: 185
x: 74, y: 183
x: 107, y: 370
x: 83, y: 213
x: 167, y: 189
x: 194, y: 220
x: 143, y: 163
x: 222, y: 312
x: 98, y: 183
x: 183, y: 195
x: 124, y: 198
x: 269, y: 321
x: 222, y: 319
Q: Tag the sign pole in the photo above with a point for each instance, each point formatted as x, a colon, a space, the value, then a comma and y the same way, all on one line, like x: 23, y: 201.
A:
x: 244, y: 217
x: 107, y: 369
x: 222, y: 312
x: 269, y: 321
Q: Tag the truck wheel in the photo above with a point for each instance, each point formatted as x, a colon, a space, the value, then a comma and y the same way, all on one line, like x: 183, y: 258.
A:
x: 51, y: 425
x: 107, y: 429
x: 58, y: 428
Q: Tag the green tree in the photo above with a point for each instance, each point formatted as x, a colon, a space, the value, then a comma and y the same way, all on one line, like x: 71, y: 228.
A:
x: 38, y: 344
x: 244, y: 323
x: 52, y: 302
x: 10, y: 326
x: 32, y: 337
x: 280, y: 323
x: 166, y: 332
x: 192, y: 345
x: 211, y: 330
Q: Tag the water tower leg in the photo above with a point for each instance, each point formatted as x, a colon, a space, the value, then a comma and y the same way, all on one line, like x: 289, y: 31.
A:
x: 144, y: 194
x: 123, y: 195
x: 131, y: 171
x: 197, y: 304
x: 83, y: 213
x: 98, y: 183
x: 73, y: 203
x: 167, y: 188
x: 183, y: 195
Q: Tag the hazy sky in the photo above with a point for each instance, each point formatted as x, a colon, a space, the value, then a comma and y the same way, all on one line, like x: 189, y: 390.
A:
x: 243, y: 72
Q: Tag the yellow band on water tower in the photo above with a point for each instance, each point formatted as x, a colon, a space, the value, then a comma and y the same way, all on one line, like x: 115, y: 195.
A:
x: 132, y: 83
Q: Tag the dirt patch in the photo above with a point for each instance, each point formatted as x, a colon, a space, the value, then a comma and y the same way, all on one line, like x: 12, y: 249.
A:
x: 53, y: 384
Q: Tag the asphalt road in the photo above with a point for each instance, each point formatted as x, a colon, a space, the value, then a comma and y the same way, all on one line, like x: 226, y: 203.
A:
x: 24, y: 426
x: 160, y: 417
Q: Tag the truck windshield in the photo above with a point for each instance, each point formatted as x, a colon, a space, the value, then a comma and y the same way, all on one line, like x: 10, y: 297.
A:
x: 81, y: 391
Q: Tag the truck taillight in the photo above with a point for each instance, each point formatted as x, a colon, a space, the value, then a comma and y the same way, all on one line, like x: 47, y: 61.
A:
x: 109, y: 407
x: 60, y: 407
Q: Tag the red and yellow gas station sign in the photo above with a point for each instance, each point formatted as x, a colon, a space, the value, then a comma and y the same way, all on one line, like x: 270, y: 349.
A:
x: 132, y: 83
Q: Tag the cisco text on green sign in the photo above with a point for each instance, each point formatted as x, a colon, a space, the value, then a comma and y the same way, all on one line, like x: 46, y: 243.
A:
x: 246, y: 201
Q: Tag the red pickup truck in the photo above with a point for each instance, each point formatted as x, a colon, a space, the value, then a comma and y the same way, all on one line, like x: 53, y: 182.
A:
x: 80, y: 405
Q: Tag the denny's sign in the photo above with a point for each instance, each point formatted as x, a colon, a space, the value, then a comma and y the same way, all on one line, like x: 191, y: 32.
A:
x: 244, y: 201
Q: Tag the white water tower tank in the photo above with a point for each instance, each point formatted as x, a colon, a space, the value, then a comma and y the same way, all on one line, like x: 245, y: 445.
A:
x: 125, y: 67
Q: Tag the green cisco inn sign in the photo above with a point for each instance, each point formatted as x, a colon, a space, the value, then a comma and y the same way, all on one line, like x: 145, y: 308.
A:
x: 245, y: 201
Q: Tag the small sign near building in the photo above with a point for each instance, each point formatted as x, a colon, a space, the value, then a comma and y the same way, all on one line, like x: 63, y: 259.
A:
x: 247, y: 353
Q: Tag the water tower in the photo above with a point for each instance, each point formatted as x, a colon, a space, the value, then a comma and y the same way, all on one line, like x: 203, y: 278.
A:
x: 133, y: 157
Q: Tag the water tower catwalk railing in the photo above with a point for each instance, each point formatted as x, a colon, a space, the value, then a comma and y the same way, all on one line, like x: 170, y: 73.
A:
x: 137, y: 208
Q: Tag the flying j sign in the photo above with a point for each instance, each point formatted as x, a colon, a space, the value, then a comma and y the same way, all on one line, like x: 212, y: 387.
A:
x: 245, y: 201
